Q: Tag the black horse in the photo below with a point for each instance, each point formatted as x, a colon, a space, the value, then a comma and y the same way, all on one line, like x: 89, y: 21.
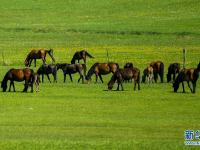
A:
x: 48, y: 69
x: 80, y: 55
x: 101, y: 69
x: 20, y: 75
x: 72, y: 69
x: 189, y: 75
x: 38, y: 54
x: 122, y: 75
x: 173, y: 69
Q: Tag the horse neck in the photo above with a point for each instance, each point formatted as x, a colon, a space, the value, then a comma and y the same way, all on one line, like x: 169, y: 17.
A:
x: 73, y: 60
x: 91, y: 71
x: 5, y: 79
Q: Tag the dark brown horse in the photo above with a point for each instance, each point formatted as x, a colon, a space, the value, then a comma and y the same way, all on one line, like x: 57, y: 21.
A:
x: 38, y: 54
x: 128, y: 65
x: 189, y: 75
x: 46, y: 70
x: 80, y: 55
x: 158, y: 69
x: 148, y: 73
x: 72, y: 69
x: 20, y: 75
x: 102, y: 69
x: 173, y: 69
x: 123, y: 75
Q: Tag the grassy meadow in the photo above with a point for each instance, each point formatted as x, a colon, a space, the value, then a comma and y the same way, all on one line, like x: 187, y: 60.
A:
x: 87, y: 116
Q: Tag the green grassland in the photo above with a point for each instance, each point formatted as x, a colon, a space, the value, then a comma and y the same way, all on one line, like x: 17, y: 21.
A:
x: 87, y: 116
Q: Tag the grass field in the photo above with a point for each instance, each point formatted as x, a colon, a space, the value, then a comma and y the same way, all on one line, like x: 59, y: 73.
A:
x: 87, y: 116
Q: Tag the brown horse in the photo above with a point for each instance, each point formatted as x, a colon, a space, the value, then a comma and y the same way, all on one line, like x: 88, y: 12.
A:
x: 123, y: 75
x: 72, y: 69
x: 189, y: 75
x: 38, y: 54
x: 80, y: 55
x: 148, y: 73
x: 20, y: 75
x: 173, y: 69
x: 158, y: 69
x: 102, y: 69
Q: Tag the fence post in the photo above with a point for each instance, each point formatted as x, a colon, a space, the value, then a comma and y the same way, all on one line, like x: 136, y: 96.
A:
x: 184, y: 58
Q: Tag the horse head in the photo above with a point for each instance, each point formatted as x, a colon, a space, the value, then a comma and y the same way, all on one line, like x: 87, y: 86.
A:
x: 175, y: 86
x: 50, y: 52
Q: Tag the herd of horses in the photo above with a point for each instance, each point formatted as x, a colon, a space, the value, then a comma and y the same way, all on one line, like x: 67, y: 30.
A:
x: 129, y: 73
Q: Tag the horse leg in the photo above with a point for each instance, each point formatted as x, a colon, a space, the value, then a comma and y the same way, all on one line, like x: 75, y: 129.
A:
x: 25, y: 86
x: 117, y: 86
x: 30, y: 62
x: 183, y: 87
x: 122, y: 86
x: 188, y: 82
x: 64, y: 77
x: 55, y: 77
x: 42, y: 78
x: 13, y: 86
x: 96, y: 77
x: 194, y: 86
x: 155, y: 77
x: 101, y: 78
x: 174, y: 75
x: 138, y: 82
x: 35, y: 62
x: 48, y: 78
x: 134, y: 85
x: 10, y: 86
x: 71, y: 77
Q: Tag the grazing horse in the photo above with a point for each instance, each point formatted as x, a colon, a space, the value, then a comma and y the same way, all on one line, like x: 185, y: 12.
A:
x: 123, y: 75
x: 173, y: 69
x: 148, y: 73
x: 38, y: 54
x: 101, y: 69
x: 189, y: 75
x: 20, y: 75
x: 80, y: 55
x: 48, y: 69
x: 128, y: 65
x: 71, y: 69
x: 158, y: 69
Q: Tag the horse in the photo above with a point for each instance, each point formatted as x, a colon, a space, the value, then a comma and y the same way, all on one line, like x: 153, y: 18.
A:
x: 48, y: 69
x: 101, y: 69
x: 158, y: 69
x: 173, y: 69
x: 128, y: 65
x: 38, y: 54
x: 189, y: 75
x: 20, y: 75
x: 148, y: 73
x: 122, y: 75
x: 80, y: 55
x: 72, y: 69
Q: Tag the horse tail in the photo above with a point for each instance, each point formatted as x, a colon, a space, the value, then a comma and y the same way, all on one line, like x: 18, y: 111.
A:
x: 87, y: 54
x: 84, y: 69
x: 5, y: 80
x: 162, y: 71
